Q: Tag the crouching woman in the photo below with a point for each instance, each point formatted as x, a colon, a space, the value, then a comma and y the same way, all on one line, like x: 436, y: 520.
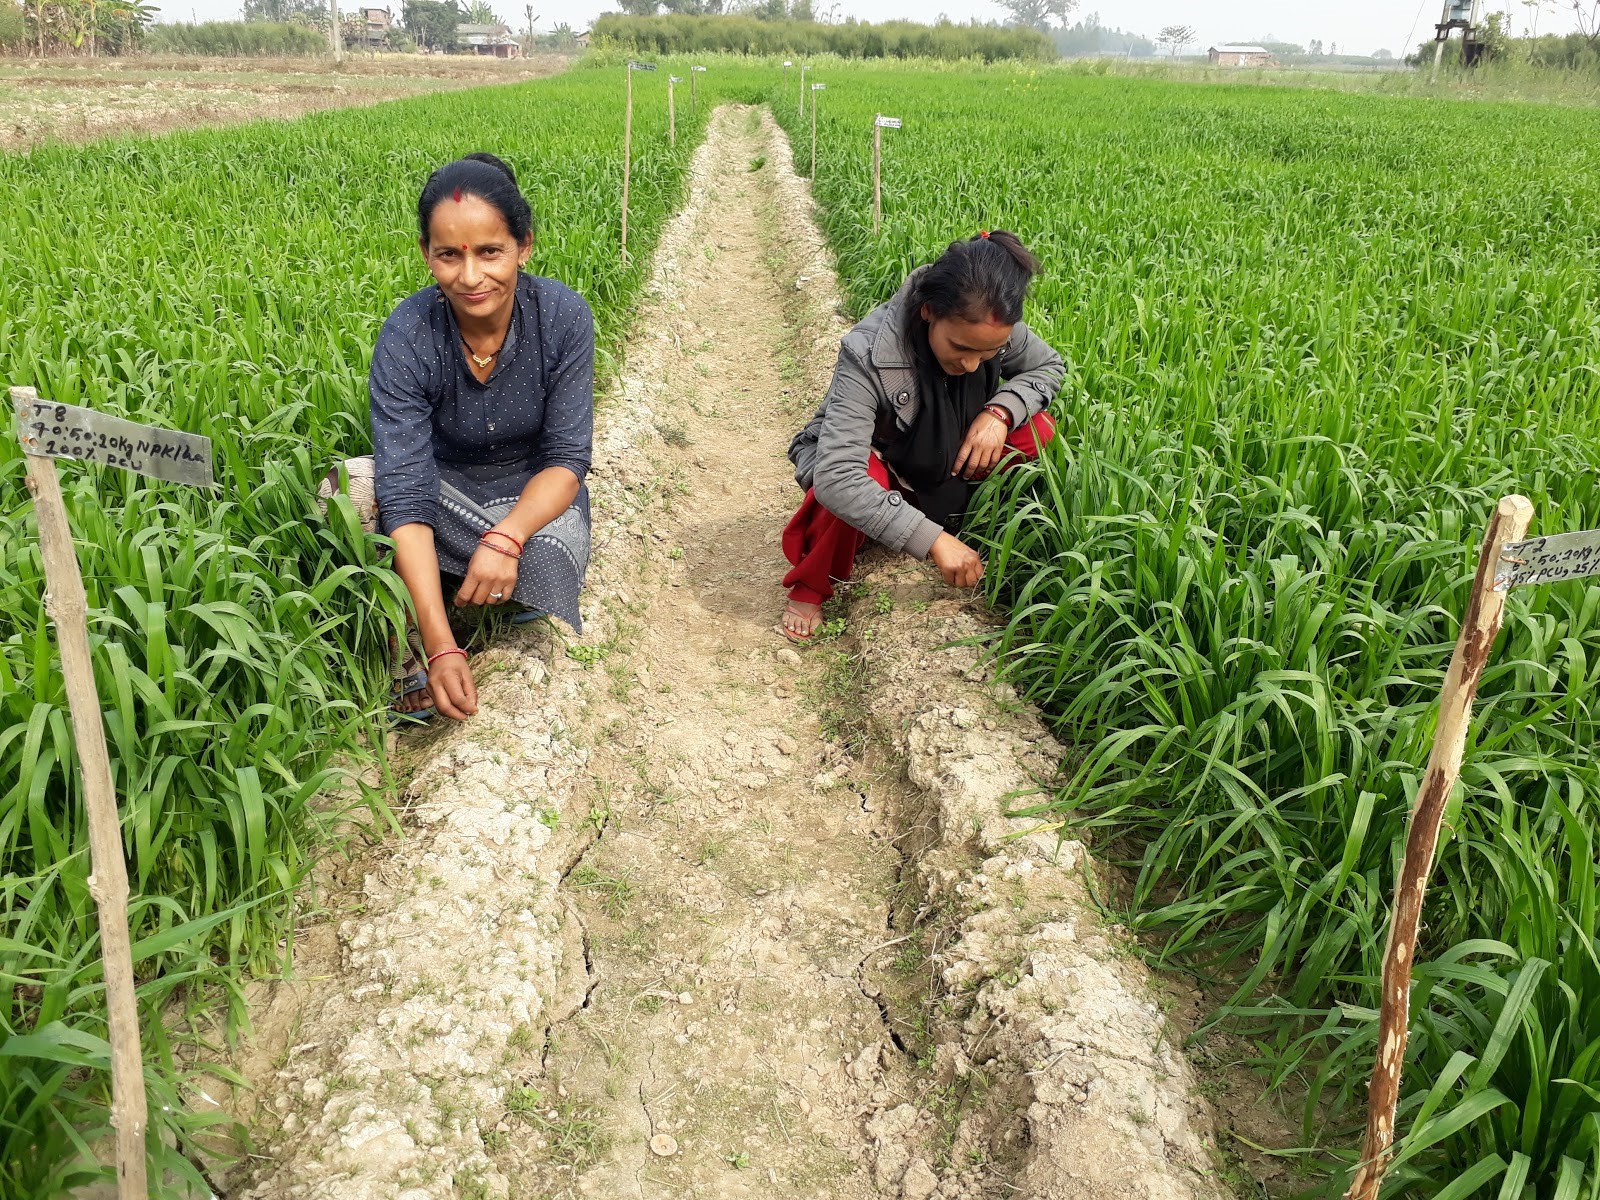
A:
x: 933, y: 390
x: 482, y: 404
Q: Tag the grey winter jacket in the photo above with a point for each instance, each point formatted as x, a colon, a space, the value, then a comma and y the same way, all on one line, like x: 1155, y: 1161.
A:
x: 876, y: 374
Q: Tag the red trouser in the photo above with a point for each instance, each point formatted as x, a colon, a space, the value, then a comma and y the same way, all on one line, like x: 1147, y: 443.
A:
x: 823, y: 548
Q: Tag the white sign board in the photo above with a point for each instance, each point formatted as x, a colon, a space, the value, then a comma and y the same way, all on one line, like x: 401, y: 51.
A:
x: 639, y: 66
x: 818, y: 87
x: 66, y: 431
x: 1548, y: 559
x: 787, y: 63
x: 888, y: 122
x: 674, y: 79
x: 697, y: 68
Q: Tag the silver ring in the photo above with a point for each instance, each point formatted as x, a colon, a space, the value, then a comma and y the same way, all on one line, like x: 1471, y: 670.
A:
x: 496, y: 595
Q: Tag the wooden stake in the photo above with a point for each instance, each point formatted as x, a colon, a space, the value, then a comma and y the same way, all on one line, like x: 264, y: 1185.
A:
x: 627, y: 159
x: 877, y: 175
x: 108, y: 880
x: 803, y: 70
x: 1479, y: 628
x: 694, y: 106
x: 672, y: 116
x: 813, y: 135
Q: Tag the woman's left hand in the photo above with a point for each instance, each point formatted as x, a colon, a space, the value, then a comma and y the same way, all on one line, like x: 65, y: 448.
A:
x: 491, y: 578
x: 984, y: 446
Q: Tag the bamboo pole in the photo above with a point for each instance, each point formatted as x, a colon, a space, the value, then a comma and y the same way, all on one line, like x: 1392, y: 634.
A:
x: 803, y: 70
x: 694, y: 103
x: 627, y: 158
x: 1479, y: 628
x: 877, y: 175
x: 108, y: 880
x: 672, y: 116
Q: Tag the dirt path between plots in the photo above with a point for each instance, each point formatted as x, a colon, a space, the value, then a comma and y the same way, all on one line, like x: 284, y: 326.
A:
x: 732, y: 900
x: 684, y: 913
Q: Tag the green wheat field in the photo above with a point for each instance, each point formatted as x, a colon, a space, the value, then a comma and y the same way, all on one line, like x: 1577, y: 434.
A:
x: 1313, y: 338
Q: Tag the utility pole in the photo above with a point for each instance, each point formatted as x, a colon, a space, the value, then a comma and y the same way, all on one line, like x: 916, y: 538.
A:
x: 334, y: 33
x: 1457, y: 14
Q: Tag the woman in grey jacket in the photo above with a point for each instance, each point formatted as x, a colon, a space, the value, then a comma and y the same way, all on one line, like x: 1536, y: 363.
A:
x: 932, y: 390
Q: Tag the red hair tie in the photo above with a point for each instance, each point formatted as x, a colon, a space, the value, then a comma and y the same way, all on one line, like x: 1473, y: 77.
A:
x: 983, y: 233
x: 458, y: 199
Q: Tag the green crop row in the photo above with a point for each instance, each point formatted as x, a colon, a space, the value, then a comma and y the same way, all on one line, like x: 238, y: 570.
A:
x: 1313, y: 339
x: 230, y: 283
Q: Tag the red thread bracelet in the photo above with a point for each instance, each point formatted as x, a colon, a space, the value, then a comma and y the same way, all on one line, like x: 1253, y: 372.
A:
x: 1000, y: 412
x: 499, y: 549
x: 433, y: 658
x: 507, y: 536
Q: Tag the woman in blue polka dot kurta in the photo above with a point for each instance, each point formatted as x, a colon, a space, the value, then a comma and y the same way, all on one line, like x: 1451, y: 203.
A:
x: 482, y: 425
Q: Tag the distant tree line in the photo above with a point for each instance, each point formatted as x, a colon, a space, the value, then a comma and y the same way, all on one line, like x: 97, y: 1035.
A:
x: 1089, y: 36
x: 682, y: 33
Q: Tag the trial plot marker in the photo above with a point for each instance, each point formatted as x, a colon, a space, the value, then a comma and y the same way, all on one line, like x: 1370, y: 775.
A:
x: 815, y: 88
x: 627, y: 147
x: 879, y: 124
x: 1480, y: 625
x: 67, y: 431
x: 1548, y: 559
x: 53, y: 431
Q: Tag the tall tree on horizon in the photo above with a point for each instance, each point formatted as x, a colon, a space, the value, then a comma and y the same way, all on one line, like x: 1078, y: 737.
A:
x: 1176, y: 36
x: 1038, y: 14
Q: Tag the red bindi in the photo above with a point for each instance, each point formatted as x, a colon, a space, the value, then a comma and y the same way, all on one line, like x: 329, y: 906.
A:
x: 458, y: 195
x: 463, y: 247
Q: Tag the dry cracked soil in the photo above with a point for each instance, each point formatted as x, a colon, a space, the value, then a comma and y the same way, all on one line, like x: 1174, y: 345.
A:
x: 684, y: 912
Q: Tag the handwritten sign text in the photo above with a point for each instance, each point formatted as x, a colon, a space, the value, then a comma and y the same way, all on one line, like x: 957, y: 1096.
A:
x: 1549, y: 559
x: 67, y: 431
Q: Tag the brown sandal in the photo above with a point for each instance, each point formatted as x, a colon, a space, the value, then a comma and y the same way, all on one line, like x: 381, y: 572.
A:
x: 800, y: 639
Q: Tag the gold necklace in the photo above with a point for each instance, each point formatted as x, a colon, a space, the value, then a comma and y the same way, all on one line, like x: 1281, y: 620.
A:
x: 473, y: 354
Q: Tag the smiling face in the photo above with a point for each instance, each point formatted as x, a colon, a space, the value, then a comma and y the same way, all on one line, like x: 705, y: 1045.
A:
x: 473, y: 256
x: 962, y: 346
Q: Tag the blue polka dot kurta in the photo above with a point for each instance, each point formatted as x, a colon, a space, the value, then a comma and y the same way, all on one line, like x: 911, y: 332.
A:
x: 454, y: 454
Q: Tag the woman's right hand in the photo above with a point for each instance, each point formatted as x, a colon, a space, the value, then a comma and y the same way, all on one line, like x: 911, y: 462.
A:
x: 957, y: 562
x: 450, y: 684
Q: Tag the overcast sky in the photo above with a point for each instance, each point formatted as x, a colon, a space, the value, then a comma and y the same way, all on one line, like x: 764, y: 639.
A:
x: 1357, y: 26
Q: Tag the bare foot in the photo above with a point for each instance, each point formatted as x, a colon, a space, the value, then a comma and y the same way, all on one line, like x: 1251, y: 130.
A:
x: 801, y: 620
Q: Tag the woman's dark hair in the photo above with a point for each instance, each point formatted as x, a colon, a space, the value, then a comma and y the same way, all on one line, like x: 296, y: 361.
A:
x: 487, y: 178
x: 983, y: 278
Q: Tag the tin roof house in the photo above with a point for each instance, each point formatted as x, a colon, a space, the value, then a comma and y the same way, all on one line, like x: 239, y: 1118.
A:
x: 488, y: 40
x: 1239, y: 56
